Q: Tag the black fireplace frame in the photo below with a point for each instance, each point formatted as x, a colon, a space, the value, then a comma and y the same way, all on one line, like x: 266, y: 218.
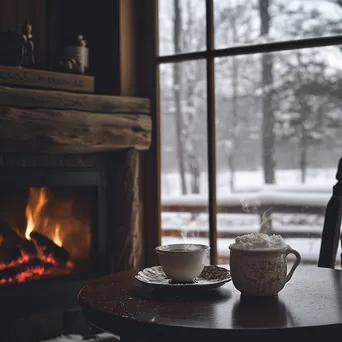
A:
x: 58, y: 293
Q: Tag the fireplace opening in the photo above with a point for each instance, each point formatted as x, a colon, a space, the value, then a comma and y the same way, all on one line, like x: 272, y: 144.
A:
x: 45, y: 232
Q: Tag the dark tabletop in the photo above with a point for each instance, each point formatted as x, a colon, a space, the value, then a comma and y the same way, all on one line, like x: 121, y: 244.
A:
x: 310, y: 307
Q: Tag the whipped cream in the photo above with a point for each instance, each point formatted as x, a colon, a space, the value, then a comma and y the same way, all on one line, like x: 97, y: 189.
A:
x: 259, y: 241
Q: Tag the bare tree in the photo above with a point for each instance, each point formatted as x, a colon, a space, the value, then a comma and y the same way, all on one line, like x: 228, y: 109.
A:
x: 268, y: 134
x: 187, y: 78
x: 234, y: 24
x: 231, y: 147
x: 308, y: 117
x: 307, y: 113
x: 192, y: 77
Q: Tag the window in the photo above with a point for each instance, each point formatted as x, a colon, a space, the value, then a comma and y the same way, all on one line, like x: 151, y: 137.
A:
x: 251, y: 119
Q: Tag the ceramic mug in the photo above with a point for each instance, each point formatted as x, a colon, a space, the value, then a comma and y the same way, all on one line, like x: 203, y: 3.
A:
x: 183, y: 261
x: 261, y: 272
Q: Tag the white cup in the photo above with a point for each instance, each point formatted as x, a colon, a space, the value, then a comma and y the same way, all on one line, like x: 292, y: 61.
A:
x: 182, y: 262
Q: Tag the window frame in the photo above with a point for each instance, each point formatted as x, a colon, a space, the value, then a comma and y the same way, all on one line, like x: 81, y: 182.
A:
x: 208, y: 55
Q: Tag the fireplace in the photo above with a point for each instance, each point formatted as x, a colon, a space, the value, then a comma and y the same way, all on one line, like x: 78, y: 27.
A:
x: 54, y: 231
x: 70, y: 200
x: 50, y: 224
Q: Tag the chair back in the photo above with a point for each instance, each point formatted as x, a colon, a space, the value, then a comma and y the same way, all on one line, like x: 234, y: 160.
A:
x: 332, y: 225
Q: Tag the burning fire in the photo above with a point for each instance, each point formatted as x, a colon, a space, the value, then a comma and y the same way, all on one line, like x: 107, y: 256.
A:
x: 34, y: 216
x: 33, y: 211
x: 40, y: 251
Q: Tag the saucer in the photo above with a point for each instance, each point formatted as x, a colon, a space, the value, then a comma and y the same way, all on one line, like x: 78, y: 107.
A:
x: 211, y: 277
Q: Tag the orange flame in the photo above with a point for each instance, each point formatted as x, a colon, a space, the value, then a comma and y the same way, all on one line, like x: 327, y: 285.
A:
x: 57, y: 237
x: 35, y: 217
x: 37, y: 200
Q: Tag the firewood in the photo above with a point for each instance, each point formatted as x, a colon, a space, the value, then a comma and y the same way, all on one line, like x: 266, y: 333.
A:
x: 9, y: 254
x: 13, y: 241
x: 13, y: 271
x: 28, y: 247
x: 9, y: 236
x: 49, y: 248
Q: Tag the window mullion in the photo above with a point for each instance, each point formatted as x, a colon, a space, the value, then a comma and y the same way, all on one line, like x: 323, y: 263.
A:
x: 211, y: 133
x: 239, y: 50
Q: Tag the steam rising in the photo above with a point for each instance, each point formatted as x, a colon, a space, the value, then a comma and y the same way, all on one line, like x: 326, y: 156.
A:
x: 250, y: 207
x: 266, y: 222
x: 266, y: 219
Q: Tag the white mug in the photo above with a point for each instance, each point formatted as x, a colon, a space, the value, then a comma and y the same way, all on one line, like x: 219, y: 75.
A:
x: 261, y: 272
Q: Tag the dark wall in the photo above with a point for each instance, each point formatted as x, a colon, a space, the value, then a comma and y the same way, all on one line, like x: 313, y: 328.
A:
x: 14, y: 13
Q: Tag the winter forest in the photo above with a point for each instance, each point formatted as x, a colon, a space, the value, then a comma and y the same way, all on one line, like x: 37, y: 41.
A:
x: 278, y: 115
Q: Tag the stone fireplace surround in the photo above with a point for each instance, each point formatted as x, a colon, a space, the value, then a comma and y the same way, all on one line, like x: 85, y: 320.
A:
x: 48, y: 136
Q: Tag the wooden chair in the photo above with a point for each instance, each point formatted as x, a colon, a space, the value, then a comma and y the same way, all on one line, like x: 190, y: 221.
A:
x: 332, y: 225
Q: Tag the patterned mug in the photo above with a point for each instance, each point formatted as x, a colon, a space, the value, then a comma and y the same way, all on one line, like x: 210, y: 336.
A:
x: 261, y: 272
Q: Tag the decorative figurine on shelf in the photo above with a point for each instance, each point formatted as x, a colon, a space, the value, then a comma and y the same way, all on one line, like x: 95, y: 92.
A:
x: 28, y: 50
x: 75, y: 55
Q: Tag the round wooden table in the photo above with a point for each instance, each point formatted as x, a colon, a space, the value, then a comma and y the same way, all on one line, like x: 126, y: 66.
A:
x: 309, y: 307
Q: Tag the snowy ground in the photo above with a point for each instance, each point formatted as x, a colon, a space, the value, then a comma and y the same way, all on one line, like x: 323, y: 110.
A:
x: 247, y: 181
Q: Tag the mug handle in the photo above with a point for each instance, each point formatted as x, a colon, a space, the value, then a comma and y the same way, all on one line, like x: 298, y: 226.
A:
x: 295, y: 265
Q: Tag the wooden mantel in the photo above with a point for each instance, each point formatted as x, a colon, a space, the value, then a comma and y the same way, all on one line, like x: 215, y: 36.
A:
x: 61, y: 122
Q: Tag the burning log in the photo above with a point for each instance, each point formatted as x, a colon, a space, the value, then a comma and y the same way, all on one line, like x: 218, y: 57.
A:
x: 28, y: 247
x: 34, y: 265
x: 49, y: 248
x: 9, y: 235
x: 9, y: 254
x: 12, y: 241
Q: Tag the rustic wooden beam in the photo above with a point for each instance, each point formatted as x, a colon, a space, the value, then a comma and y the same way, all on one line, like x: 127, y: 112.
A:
x: 124, y: 197
x: 129, y: 55
x: 69, y: 131
x: 32, y: 98
x: 148, y: 86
